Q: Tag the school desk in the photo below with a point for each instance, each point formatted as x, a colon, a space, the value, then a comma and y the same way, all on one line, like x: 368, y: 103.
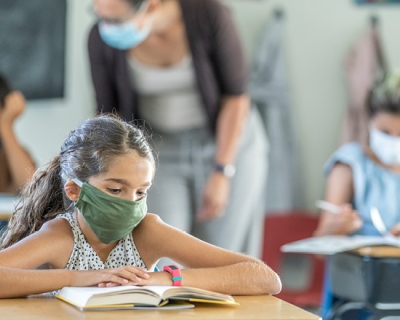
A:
x: 369, y: 278
x: 251, y: 307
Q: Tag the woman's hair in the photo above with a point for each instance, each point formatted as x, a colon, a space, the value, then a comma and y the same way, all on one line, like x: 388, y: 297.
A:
x: 5, y: 89
x: 385, y: 96
x: 86, y: 152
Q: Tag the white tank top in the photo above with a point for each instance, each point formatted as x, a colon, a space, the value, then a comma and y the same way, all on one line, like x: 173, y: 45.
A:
x: 169, y: 98
x: 83, y: 256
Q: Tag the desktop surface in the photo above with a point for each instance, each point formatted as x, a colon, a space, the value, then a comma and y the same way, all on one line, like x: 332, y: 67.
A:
x: 251, y: 307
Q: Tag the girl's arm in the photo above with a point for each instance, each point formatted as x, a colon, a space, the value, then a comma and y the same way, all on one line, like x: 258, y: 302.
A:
x: 52, y: 245
x: 207, y: 266
x: 19, y: 161
x: 19, y: 282
x: 339, y: 191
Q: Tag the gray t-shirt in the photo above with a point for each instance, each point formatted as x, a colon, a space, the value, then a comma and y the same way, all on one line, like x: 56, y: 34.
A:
x: 168, y: 96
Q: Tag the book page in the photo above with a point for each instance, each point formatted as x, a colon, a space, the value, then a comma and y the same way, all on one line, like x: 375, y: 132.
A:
x: 84, y: 297
x: 171, y: 292
x: 175, y: 305
x: 95, y: 296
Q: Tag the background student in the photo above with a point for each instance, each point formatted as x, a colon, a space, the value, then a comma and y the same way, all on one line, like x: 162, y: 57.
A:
x: 361, y: 178
x: 16, y: 165
x: 179, y: 65
x: 86, y: 210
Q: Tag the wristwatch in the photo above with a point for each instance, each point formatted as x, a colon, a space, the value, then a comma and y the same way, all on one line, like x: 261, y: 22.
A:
x: 228, y: 170
x: 176, y: 274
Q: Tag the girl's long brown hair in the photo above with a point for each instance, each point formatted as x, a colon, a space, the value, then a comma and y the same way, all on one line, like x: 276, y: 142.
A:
x: 85, y: 153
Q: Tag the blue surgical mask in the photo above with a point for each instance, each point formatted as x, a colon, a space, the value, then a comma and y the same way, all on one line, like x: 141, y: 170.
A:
x: 385, y: 146
x: 123, y: 36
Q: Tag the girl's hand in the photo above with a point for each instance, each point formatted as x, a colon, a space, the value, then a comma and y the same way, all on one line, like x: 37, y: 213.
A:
x: 127, y: 275
x: 345, y: 222
x: 395, y: 230
x: 14, y: 106
x: 215, y: 197
x: 348, y: 220
x: 160, y: 278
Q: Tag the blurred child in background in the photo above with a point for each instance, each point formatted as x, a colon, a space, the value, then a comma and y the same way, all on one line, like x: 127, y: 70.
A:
x: 364, y: 177
x: 16, y: 165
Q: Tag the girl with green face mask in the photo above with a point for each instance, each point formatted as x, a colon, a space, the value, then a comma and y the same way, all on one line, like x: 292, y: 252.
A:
x: 86, y: 210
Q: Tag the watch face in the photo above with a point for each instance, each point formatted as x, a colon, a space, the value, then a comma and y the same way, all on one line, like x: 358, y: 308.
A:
x: 229, y: 171
x: 173, y: 267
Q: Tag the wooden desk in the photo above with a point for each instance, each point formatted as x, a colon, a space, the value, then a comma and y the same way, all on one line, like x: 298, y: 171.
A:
x: 366, y: 278
x: 251, y: 307
x: 5, y: 216
x: 378, y: 252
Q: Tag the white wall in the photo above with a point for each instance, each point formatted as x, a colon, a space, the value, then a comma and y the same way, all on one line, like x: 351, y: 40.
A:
x: 46, y: 123
x: 318, y: 35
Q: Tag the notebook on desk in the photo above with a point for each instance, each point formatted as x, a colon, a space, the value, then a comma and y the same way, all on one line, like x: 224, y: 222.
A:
x: 329, y: 245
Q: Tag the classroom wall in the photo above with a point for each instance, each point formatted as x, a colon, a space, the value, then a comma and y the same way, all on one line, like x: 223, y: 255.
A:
x: 46, y: 123
x: 318, y: 35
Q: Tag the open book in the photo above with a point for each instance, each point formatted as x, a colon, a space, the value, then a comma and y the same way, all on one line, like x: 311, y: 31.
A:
x: 134, y: 297
x: 328, y: 245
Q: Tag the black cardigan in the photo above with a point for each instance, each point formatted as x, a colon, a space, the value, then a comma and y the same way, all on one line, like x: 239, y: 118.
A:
x: 217, y: 56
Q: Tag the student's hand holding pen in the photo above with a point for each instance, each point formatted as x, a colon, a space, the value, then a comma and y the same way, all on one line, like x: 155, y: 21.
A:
x: 337, y: 219
x: 395, y: 230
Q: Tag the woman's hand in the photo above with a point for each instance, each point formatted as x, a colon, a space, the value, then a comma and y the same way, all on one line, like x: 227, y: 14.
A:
x: 127, y: 275
x: 215, y: 197
x: 14, y: 106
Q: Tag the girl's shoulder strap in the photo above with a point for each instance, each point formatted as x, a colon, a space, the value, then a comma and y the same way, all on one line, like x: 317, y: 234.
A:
x: 70, y: 217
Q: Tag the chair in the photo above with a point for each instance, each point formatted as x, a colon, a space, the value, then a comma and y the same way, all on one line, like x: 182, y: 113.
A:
x: 284, y: 227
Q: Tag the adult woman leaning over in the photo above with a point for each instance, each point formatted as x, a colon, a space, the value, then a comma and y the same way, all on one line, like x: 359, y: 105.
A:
x: 179, y: 65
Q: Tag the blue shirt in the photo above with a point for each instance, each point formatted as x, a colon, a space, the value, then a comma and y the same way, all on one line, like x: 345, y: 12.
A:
x: 374, y: 186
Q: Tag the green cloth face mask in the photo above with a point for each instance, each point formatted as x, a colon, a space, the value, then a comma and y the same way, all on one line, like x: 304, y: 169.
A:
x: 109, y: 217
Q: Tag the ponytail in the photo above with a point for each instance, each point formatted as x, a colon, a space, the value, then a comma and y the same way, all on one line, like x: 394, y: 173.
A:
x: 41, y: 200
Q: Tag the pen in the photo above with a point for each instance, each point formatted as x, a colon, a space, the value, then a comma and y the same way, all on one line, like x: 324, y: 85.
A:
x: 325, y: 205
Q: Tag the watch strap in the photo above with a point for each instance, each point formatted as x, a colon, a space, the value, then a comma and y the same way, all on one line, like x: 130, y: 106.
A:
x: 175, y: 271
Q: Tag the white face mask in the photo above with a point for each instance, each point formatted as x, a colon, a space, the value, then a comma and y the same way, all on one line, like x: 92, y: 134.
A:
x: 385, y: 146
